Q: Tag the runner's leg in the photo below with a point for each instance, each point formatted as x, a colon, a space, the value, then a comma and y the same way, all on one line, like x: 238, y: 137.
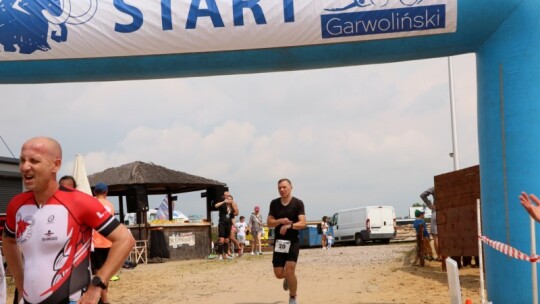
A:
x: 259, y: 236
x: 290, y: 274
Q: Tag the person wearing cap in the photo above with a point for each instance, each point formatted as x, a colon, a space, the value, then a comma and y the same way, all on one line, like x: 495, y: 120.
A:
x: 255, y: 224
x: 419, y: 221
x: 48, y: 233
x: 101, y: 244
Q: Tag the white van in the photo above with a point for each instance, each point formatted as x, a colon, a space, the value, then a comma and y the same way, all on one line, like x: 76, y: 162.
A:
x: 359, y: 225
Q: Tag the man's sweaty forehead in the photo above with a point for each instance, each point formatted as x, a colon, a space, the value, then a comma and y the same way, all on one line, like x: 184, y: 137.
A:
x: 45, y: 145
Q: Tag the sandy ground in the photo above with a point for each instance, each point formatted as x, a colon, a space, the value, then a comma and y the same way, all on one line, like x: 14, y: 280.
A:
x: 357, y: 275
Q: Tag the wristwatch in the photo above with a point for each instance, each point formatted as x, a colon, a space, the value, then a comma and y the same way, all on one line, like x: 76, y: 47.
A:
x: 96, y: 281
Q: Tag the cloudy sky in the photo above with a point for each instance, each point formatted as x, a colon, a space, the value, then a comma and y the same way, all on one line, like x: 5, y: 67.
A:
x: 346, y: 137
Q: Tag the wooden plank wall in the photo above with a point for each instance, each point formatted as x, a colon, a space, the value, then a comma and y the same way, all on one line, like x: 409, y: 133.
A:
x: 456, y: 193
x: 200, y: 250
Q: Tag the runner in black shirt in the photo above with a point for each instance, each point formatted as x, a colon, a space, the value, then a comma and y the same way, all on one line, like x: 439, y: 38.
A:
x: 287, y: 215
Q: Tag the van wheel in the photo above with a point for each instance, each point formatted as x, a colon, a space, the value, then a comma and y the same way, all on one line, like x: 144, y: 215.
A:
x: 386, y: 241
x: 359, y: 241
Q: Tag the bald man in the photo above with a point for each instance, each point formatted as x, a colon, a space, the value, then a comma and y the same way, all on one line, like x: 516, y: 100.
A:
x: 48, y: 233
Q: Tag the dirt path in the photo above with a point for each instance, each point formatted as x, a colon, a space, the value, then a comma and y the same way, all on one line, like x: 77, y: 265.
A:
x: 368, y: 274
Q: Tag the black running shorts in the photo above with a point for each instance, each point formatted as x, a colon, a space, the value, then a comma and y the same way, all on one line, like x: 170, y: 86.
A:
x: 98, y: 257
x: 224, y: 230
x: 279, y: 259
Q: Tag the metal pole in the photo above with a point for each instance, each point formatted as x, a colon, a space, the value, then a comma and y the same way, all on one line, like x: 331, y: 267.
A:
x: 533, y: 265
x: 5, y: 144
x: 480, y: 252
x: 455, y: 154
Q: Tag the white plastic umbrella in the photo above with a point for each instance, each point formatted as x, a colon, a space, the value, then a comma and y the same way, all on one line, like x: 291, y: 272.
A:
x: 79, y: 174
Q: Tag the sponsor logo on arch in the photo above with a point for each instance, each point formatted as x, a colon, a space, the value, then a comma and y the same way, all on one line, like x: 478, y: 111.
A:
x: 376, y: 17
x: 61, y: 29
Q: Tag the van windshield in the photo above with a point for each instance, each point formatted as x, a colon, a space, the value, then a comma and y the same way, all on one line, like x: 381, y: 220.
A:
x: 152, y: 216
x: 334, y: 220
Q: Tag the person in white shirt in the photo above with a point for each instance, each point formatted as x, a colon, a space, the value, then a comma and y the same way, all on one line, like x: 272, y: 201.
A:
x: 324, y: 228
x: 241, y: 227
x: 329, y: 240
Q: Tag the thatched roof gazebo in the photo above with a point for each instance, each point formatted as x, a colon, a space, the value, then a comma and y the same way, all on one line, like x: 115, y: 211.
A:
x: 153, y: 179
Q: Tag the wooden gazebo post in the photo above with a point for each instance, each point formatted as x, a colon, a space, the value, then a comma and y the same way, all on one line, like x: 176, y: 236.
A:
x: 121, y: 208
x: 170, y: 205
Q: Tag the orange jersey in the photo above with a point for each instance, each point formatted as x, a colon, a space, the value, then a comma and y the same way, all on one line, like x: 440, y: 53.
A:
x: 99, y: 240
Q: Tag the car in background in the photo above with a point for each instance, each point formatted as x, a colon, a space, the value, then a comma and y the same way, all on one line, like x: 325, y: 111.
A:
x: 364, y: 224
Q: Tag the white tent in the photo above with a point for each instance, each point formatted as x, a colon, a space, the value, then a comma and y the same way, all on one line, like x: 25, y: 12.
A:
x: 80, y: 176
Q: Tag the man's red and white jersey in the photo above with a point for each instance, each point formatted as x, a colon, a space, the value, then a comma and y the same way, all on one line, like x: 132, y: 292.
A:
x: 55, y: 241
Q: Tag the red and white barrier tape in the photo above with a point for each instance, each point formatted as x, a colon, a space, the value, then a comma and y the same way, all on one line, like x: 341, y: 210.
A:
x: 509, y: 251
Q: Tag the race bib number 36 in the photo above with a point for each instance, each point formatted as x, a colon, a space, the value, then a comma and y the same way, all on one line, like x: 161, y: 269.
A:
x: 282, y: 246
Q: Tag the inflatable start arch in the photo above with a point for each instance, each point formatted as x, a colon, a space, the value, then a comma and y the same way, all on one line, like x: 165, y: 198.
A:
x: 99, y: 40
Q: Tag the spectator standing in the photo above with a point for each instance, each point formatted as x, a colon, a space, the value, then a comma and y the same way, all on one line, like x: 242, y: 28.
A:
x: 329, y: 240
x: 232, y: 237
x: 324, y: 229
x: 241, y: 228
x: 102, y: 245
x: 432, y: 206
x: 226, y: 214
x: 419, y: 221
x: 255, y: 224
x: 68, y: 181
